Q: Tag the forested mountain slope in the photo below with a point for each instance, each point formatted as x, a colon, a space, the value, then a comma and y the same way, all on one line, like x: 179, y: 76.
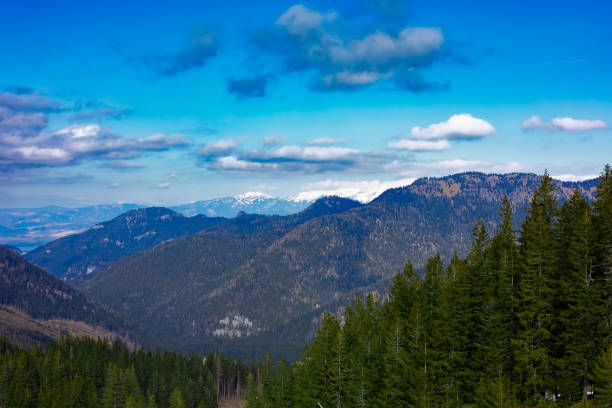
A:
x: 37, y: 307
x: 80, y: 255
x: 522, y: 321
x: 244, y: 284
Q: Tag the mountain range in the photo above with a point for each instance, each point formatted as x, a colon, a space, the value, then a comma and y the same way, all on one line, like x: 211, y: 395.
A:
x: 256, y: 282
x: 29, y: 228
x: 259, y: 282
x: 78, y: 255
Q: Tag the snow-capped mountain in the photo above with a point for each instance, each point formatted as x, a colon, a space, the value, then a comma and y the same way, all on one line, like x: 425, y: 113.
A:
x: 250, y: 202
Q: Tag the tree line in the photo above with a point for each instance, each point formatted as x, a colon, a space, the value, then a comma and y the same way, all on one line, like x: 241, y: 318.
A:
x: 524, y: 320
x: 82, y: 372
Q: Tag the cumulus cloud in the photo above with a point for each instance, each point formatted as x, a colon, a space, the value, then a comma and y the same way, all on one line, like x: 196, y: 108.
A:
x: 165, y: 185
x: 563, y: 124
x: 313, y: 154
x: 380, y: 49
x: 326, y: 141
x: 30, y: 102
x: 362, y: 191
x: 79, y: 142
x: 273, y: 140
x: 420, y: 145
x: 344, y: 52
x: 304, y: 160
x: 231, y: 163
x: 576, y: 178
x: 218, y: 148
x: 201, y: 47
x: 254, y: 87
x: 299, y: 20
x: 460, y: 126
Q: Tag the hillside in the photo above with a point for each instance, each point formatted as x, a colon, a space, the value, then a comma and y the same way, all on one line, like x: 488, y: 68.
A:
x: 37, y: 307
x: 241, y: 284
x: 80, y: 255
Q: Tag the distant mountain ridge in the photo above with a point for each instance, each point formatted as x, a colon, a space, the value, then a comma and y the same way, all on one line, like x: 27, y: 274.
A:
x: 251, y: 202
x: 78, y: 255
x: 29, y: 228
x: 273, y: 276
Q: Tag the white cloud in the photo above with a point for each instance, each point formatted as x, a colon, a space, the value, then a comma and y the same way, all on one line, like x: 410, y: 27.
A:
x: 578, y: 125
x: 326, y: 141
x: 459, y: 126
x: 218, y: 148
x: 314, y: 153
x: 78, y: 142
x: 344, y: 57
x: 114, y: 185
x: 420, y: 145
x: 273, y: 140
x: 573, y: 177
x: 535, y: 122
x: 362, y: 191
x: 300, y: 20
x: 34, y: 154
x: 563, y: 124
x: 356, y: 78
x: 380, y: 48
x: 231, y: 163
x: 165, y: 185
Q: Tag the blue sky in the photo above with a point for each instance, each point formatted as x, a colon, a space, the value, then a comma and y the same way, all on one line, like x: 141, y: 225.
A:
x: 171, y: 102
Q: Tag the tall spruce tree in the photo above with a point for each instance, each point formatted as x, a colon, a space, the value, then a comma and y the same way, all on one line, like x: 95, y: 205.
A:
x: 602, y: 250
x: 501, y: 293
x: 602, y: 378
x: 576, y: 301
x: 537, y: 270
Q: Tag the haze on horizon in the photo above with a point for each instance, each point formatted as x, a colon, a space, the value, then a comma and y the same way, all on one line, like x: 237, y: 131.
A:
x: 152, y: 103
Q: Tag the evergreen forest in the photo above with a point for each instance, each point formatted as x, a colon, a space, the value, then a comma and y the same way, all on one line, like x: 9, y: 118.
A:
x: 523, y: 321
x: 81, y: 372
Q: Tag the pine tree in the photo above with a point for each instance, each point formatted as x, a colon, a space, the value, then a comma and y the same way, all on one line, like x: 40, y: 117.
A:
x: 114, y: 394
x: 501, y: 295
x: 176, y: 399
x: 397, y: 380
x: 453, y: 337
x: 575, y: 302
x: 602, y: 250
x: 602, y: 379
x: 252, y: 395
x: 537, y: 269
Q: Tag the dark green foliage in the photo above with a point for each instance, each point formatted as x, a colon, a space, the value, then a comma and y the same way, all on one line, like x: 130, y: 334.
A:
x: 514, y: 324
x: 602, y: 379
x: 93, y: 373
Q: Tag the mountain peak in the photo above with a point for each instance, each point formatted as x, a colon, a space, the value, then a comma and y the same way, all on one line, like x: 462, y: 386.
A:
x: 249, y: 195
x: 330, y: 205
